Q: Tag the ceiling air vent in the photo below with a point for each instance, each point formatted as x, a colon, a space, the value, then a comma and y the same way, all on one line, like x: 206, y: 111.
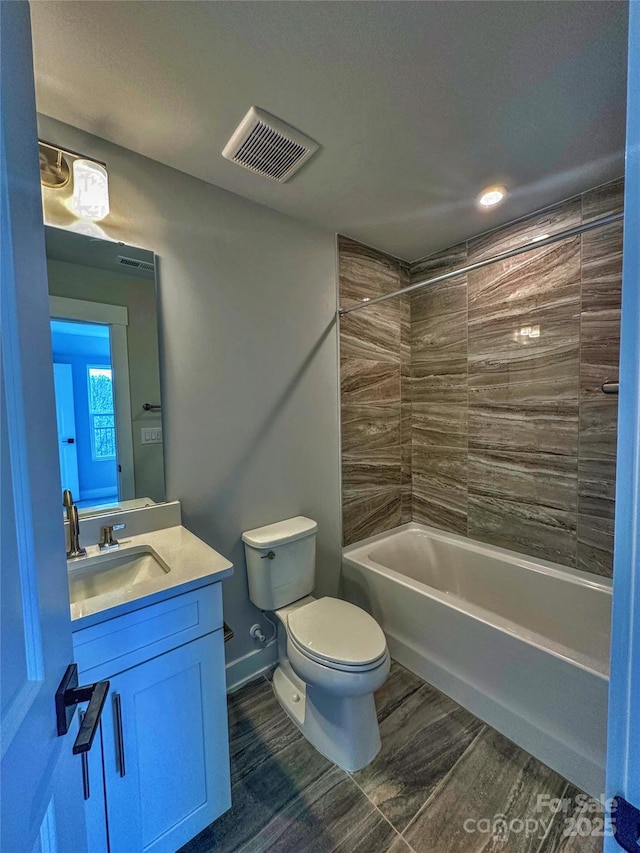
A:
x: 134, y: 262
x: 268, y: 146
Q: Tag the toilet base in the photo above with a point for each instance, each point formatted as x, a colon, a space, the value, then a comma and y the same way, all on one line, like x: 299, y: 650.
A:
x: 343, y: 729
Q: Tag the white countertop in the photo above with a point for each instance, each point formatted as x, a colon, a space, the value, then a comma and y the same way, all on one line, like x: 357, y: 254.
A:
x: 192, y: 564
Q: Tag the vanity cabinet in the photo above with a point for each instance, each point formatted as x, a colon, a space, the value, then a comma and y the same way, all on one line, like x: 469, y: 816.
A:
x: 159, y: 770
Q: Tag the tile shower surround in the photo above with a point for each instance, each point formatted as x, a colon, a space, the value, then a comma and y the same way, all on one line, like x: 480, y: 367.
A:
x: 474, y: 405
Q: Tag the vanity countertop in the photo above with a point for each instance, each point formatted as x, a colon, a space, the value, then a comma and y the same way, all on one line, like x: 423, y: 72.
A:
x: 191, y: 563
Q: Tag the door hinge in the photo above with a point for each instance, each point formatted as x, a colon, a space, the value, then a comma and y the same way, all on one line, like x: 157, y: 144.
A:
x: 625, y: 820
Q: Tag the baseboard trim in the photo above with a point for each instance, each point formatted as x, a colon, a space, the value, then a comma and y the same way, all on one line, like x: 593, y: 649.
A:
x: 251, y: 666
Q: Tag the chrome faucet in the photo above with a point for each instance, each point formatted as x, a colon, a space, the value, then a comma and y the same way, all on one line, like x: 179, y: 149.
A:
x: 75, y: 548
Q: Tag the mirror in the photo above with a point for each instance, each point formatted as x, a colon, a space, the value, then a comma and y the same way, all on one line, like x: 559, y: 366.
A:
x: 104, y: 336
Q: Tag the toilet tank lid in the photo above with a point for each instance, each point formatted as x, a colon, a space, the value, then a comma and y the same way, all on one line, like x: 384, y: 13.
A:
x: 281, y: 532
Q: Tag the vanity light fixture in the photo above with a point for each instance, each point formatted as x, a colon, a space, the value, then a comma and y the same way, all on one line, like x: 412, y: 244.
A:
x: 90, y: 198
x: 491, y: 196
x: 88, y: 195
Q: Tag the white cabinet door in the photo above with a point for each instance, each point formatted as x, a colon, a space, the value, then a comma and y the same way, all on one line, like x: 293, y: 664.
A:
x: 166, y: 752
x: 41, y: 793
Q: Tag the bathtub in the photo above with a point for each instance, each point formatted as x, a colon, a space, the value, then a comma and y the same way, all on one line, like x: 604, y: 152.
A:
x: 522, y: 643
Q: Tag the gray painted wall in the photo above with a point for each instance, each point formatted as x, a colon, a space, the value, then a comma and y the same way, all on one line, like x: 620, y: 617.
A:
x: 248, y: 359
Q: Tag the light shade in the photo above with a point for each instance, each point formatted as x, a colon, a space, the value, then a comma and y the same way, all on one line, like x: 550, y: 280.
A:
x: 90, y: 190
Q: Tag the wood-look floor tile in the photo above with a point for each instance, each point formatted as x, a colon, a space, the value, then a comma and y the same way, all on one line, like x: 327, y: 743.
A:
x: 363, y: 381
x: 576, y: 829
x: 258, y: 728
x: 544, y: 479
x: 369, y: 426
x: 595, y: 545
x: 329, y: 815
x: 493, y: 780
x: 422, y: 738
x: 536, y: 531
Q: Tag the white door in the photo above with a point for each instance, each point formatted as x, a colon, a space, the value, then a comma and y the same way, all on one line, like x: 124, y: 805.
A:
x: 41, y: 791
x: 66, y: 423
x: 623, y: 748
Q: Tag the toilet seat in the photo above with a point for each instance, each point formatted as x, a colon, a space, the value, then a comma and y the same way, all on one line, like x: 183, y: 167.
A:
x: 337, y: 634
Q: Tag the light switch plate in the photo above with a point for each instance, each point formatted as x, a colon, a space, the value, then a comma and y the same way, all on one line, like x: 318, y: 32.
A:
x: 151, y: 435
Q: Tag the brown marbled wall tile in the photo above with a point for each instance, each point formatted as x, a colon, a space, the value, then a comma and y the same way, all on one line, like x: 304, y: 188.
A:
x: 439, y: 477
x: 368, y: 511
x: 441, y: 424
x: 603, y: 200
x: 532, y: 529
x: 370, y: 426
x: 379, y: 467
x: 599, y: 356
x: 533, y: 416
x: 543, y: 479
x: 371, y: 333
x: 364, y: 273
x: 597, y: 487
x: 553, y: 219
x: 437, y: 264
x: 363, y: 381
x: 595, y: 545
x: 374, y: 379
x: 524, y: 316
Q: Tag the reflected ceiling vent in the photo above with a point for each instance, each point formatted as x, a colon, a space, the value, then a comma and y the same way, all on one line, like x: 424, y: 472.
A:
x: 268, y: 146
x: 135, y: 263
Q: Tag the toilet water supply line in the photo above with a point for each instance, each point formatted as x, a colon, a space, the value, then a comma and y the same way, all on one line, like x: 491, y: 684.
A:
x: 258, y: 634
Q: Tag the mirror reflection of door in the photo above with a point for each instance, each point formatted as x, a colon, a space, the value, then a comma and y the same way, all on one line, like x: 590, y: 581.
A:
x: 85, y: 410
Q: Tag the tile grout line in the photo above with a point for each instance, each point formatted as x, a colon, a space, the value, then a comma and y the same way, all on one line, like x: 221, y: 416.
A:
x: 443, y: 781
x: 397, y: 834
x: 551, y: 822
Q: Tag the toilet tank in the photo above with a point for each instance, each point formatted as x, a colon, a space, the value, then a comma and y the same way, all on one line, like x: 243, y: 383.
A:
x: 290, y: 573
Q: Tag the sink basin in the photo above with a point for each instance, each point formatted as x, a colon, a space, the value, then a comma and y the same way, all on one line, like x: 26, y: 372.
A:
x: 111, y: 571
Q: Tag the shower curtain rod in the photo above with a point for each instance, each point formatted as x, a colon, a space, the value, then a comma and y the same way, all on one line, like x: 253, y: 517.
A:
x: 503, y: 256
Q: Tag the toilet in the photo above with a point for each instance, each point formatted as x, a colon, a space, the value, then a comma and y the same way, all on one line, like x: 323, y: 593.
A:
x: 332, y: 654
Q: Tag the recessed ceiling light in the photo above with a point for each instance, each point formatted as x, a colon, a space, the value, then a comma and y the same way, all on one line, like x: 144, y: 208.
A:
x: 491, y: 196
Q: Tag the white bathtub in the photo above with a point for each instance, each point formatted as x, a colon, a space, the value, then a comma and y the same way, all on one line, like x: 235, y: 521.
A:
x: 521, y: 642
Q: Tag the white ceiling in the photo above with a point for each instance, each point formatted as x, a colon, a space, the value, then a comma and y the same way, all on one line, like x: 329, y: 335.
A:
x: 416, y: 105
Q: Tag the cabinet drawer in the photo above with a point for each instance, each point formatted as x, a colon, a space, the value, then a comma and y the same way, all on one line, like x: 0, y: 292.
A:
x: 117, y: 644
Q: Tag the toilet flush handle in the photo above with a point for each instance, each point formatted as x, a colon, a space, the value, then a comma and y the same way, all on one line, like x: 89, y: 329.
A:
x: 269, y: 556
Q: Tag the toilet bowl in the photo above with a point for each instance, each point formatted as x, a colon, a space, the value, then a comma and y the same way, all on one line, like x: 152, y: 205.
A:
x: 332, y: 654
x: 336, y: 657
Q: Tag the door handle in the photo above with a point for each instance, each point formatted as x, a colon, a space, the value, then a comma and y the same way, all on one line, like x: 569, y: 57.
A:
x: 117, y: 710
x: 86, y: 789
x: 68, y: 695
x: 68, y: 441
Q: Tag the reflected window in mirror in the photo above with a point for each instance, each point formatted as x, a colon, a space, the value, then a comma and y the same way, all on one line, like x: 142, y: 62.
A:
x: 104, y: 332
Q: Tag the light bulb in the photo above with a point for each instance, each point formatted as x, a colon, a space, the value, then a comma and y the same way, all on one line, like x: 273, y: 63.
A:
x: 491, y: 196
x: 90, y: 198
